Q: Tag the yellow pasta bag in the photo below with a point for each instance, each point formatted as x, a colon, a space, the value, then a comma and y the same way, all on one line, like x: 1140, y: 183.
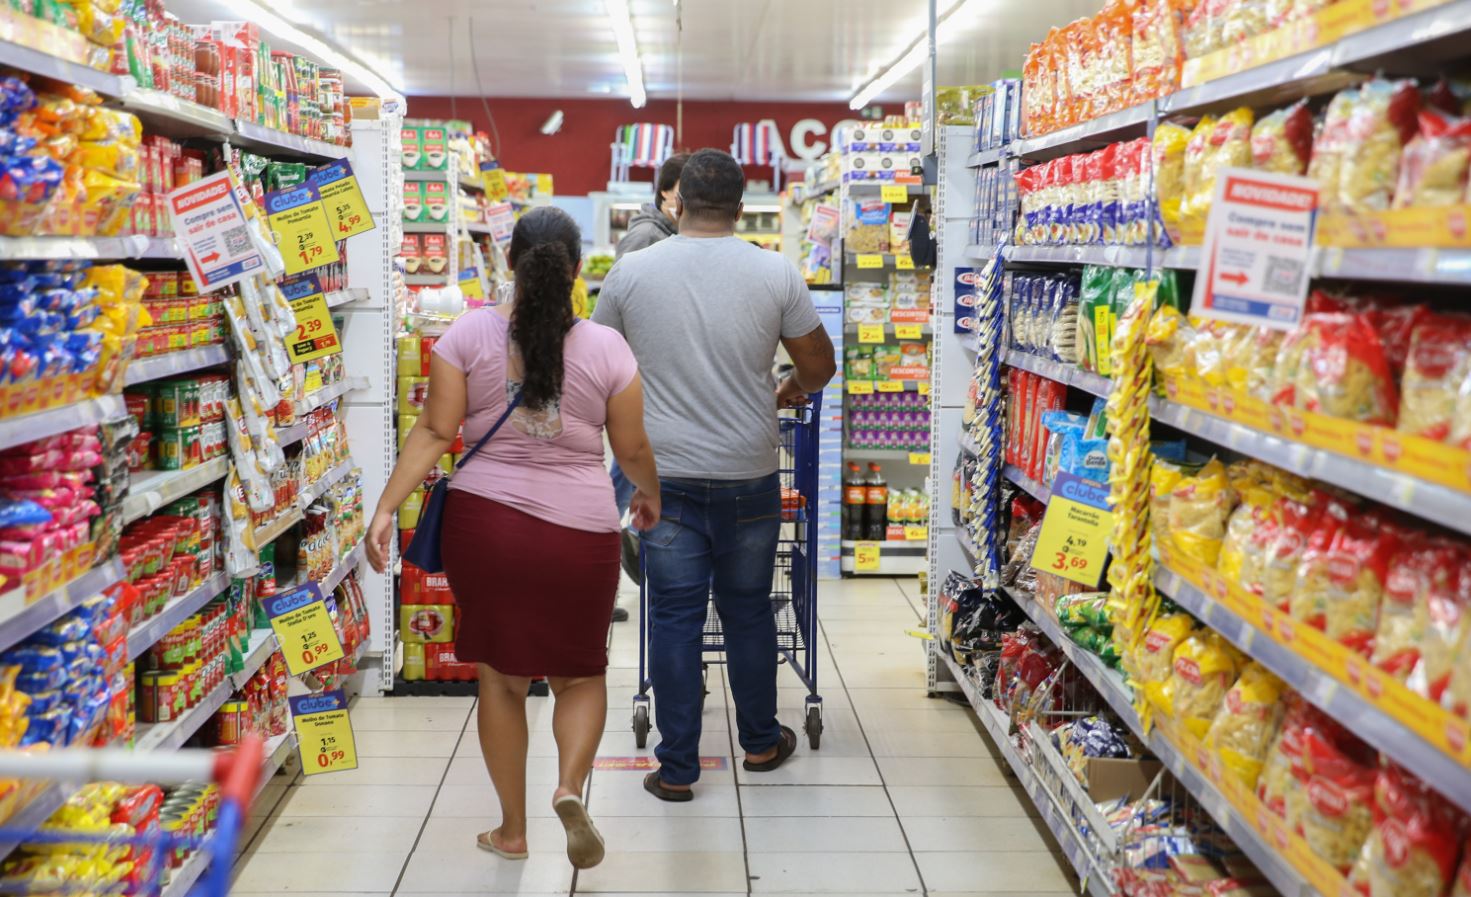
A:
x: 1156, y: 651
x: 1200, y: 673
x: 1170, y: 141
x: 1164, y: 476
x: 1199, y: 508
x: 1382, y: 122
x: 1331, y: 147
x: 1242, y: 548
x: 1246, y: 722
x: 1227, y: 144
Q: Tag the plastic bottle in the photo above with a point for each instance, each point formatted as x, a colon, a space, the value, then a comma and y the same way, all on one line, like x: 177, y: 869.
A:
x: 855, y: 500
x: 876, y: 510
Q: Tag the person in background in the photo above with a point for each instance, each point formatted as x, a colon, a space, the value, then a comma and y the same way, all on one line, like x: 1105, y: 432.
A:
x: 704, y: 312
x: 530, y: 526
x: 654, y: 222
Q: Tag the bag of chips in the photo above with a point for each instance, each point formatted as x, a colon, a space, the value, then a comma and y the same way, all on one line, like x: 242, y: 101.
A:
x: 1411, y: 850
x: 1246, y: 722
x: 1283, y: 140
x: 1439, y: 362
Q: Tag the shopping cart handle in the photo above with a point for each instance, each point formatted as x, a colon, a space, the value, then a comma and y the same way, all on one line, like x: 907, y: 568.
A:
x: 239, y: 771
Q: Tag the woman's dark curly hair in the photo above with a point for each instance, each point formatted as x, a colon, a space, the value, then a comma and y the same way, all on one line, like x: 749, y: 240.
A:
x: 545, y: 249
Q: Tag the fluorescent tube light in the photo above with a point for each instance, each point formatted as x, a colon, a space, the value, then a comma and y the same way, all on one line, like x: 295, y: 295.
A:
x: 914, y: 56
x: 621, y: 19
x: 326, y: 54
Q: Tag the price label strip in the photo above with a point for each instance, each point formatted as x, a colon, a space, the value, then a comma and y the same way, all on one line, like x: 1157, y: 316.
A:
x: 904, y: 262
x: 1073, y: 542
x: 342, y: 196
x: 299, y: 223
x: 866, y: 557
x: 323, y: 733
x: 860, y: 387
x: 909, y: 331
x: 894, y: 193
x: 870, y: 333
x: 493, y: 179
x: 868, y: 260
x: 316, y: 335
x: 304, y: 628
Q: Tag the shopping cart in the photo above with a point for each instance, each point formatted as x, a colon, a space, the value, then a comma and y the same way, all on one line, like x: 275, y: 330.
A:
x: 794, y: 584
x: 199, y: 864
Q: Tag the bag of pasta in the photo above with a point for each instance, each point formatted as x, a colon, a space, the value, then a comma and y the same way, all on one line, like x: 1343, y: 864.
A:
x: 1152, y: 661
x: 1447, y: 599
x: 1331, y: 147
x: 1344, y: 372
x: 1199, y: 508
x: 1226, y: 145
x: 1164, y: 476
x: 1336, y: 780
x: 1277, y: 780
x: 1439, y: 362
x: 1297, y: 568
x: 1411, y: 851
x: 1357, y: 566
x: 1283, y: 141
x: 1170, y: 141
x: 1246, y: 722
x: 1203, y: 668
x: 1169, y: 337
x: 1463, y: 874
x: 1424, y: 565
x: 1249, y: 530
x: 1434, y: 164
x: 1383, y: 121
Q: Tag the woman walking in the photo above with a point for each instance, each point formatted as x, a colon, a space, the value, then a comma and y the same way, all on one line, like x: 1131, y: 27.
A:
x: 530, y: 533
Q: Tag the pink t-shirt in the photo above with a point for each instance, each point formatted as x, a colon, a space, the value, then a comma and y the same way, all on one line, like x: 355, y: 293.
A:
x: 548, y: 463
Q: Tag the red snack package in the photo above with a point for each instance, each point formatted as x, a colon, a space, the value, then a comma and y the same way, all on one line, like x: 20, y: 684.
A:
x: 1333, y: 814
x: 1411, y: 851
x: 1434, y: 163
x: 1438, y: 363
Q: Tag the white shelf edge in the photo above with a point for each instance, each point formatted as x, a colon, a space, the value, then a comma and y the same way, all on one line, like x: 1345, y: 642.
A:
x: 270, y: 532
x: 22, y: 618
x: 25, y: 428
x: 164, y: 486
x: 1028, y: 485
x: 173, y: 363
x: 316, y: 490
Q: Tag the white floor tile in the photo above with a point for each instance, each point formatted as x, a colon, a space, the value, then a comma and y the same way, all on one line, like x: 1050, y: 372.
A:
x: 472, y: 771
x: 357, y: 800
x: 853, y: 873
x: 896, y: 744
x: 681, y: 873
x: 945, y: 800
x: 408, y: 744
x: 952, y: 771
x: 995, y: 872
x: 814, y: 800
x: 385, y: 771
x: 374, y: 871
x: 828, y: 834
x: 808, y: 767
x: 405, y: 717
x: 710, y: 800
x: 477, y: 801
x: 456, y: 872
x: 947, y: 833
x: 331, y: 834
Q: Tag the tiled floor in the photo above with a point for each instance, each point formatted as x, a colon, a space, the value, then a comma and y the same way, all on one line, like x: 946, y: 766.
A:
x: 904, y: 797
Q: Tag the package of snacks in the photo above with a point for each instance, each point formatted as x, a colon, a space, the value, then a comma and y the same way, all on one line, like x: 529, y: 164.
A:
x: 1438, y: 364
x: 1382, y: 122
x: 1170, y: 141
x: 1248, y: 718
x: 1336, y: 778
x: 1199, y: 508
x: 1424, y: 566
x: 1343, y: 370
x: 1244, y: 19
x: 1331, y: 147
x: 1283, y: 141
x: 1434, y: 164
x: 1250, y: 531
x: 1411, y: 850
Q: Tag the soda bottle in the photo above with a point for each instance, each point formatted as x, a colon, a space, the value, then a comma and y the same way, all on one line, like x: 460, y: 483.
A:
x: 855, y: 500
x: 876, y: 510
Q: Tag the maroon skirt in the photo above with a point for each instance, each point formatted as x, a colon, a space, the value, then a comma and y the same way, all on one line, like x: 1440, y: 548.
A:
x: 535, y: 598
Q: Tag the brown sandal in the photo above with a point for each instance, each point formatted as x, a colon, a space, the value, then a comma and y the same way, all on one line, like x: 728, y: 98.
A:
x: 655, y: 786
x: 786, y: 746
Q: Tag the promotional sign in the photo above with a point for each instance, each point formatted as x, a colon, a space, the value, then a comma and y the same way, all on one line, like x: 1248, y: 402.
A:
x: 315, y: 336
x: 908, y: 331
x: 343, y: 199
x: 493, y: 179
x: 303, y: 626
x: 904, y: 262
x: 1073, y: 542
x: 323, y: 732
x: 868, y: 260
x: 870, y: 333
x: 502, y: 220
x: 211, y: 226
x: 1258, y: 239
x: 866, y: 557
x: 894, y: 193
x: 299, y: 222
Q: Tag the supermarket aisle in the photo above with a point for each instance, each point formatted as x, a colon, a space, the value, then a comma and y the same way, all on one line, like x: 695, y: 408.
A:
x: 903, y: 798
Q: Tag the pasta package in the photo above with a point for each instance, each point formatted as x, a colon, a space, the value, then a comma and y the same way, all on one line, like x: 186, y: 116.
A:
x: 1357, y: 566
x: 1283, y: 140
x: 1305, y: 529
x: 1202, y: 670
x: 1336, y: 777
x: 1226, y: 144
x: 1425, y: 566
x: 1437, y: 366
x: 1250, y: 529
x: 1340, y: 369
x: 1434, y: 164
x: 1411, y: 850
x: 1382, y: 122
x: 1155, y: 655
x: 1447, y: 596
x: 1284, y: 755
x: 1158, y: 52
x: 1170, y: 141
x: 1248, y: 719
x: 1463, y: 875
x: 1199, y: 508
x: 1331, y: 147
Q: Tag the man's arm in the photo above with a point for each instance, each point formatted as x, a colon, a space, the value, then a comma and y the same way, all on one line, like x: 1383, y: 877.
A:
x: 813, y: 360
x: 608, y: 311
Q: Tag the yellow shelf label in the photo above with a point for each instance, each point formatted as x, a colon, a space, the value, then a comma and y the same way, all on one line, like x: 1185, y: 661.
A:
x: 916, y: 533
x: 870, y: 260
x: 890, y: 386
x: 894, y: 193
x: 315, y: 336
x: 866, y: 557
x: 924, y: 387
x: 904, y: 262
x: 909, y: 331
x: 860, y: 387
x: 299, y: 224
x: 920, y: 458
x: 870, y: 333
x: 1073, y: 542
x: 323, y: 733
x: 343, y: 199
x: 304, y: 628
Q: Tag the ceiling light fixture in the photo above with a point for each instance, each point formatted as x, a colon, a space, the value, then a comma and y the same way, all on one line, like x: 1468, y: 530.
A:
x: 914, y: 56
x: 633, y: 68
x: 271, y: 22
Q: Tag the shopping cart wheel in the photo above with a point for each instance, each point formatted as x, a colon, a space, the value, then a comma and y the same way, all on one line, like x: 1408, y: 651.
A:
x: 814, y: 727
x: 641, y: 725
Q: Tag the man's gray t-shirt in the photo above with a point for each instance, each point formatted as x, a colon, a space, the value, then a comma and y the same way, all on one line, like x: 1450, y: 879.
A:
x: 704, y: 316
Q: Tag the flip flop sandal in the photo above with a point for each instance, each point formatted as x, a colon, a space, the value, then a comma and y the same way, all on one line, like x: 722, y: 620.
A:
x: 486, y: 841
x: 585, y: 847
x: 786, y: 746
x: 655, y: 786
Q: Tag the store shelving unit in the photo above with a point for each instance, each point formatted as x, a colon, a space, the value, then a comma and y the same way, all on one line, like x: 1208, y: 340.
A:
x: 20, y: 616
x: 28, y: 427
x: 152, y: 489
x: 147, y: 633
x: 174, y: 363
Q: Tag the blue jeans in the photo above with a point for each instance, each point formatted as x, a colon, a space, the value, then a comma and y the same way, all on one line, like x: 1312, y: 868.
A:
x: 622, y: 489
x: 715, y: 536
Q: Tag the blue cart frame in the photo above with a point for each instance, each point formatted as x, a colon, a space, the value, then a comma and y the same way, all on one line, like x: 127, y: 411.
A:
x: 794, y: 584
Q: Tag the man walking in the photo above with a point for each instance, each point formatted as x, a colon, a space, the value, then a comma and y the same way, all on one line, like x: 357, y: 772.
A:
x: 704, y: 312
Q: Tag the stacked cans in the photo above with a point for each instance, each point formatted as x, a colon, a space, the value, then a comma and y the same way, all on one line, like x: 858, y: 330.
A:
x: 986, y: 427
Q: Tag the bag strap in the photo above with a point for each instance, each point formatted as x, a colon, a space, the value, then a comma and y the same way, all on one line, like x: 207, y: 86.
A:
x: 486, y: 438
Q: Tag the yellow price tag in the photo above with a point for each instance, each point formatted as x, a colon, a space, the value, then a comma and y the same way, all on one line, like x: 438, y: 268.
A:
x: 544, y: 185
x: 1073, y: 542
x: 904, y: 262
x: 303, y: 626
x: 298, y: 222
x: 920, y: 458
x: 323, y: 733
x: 860, y: 387
x: 909, y: 331
x: 470, y: 285
x: 894, y: 193
x: 316, y: 335
x: 890, y: 386
x: 866, y: 557
x: 867, y: 260
x: 343, y: 199
x: 870, y: 333
x: 493, y: 179
x: 916, y: 533
x: 924, y: 387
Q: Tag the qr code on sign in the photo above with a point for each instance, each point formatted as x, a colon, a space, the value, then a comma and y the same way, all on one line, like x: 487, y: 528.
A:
x: 1283, y: 276
x: 237, y: 241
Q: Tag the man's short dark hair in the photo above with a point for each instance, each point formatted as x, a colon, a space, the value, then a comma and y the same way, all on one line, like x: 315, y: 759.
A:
x: 668, y: 177
x: 711, y: 185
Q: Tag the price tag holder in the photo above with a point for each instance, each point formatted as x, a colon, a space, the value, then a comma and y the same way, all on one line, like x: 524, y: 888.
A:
x: 894, y: 193
x: 870, y: 333
x: 866, y: 557
x: 916, y: 533
x: 890, y: 386
x: 316, y: 336
x: 904, y: 261
x: 860, y: 387
x: 343, y: 198
x: 304, y: 628
x: 909, y: 331
x: 920, y: 458
x: 299, y: 224
x: 1073, y: 542
x: 869, y: 260
x: 323, y: 733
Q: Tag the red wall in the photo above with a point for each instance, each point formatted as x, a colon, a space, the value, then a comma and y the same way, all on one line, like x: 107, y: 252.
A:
x: 577, y: 156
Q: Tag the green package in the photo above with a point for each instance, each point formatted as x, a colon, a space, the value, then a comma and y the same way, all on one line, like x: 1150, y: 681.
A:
x: 1093, y: 295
